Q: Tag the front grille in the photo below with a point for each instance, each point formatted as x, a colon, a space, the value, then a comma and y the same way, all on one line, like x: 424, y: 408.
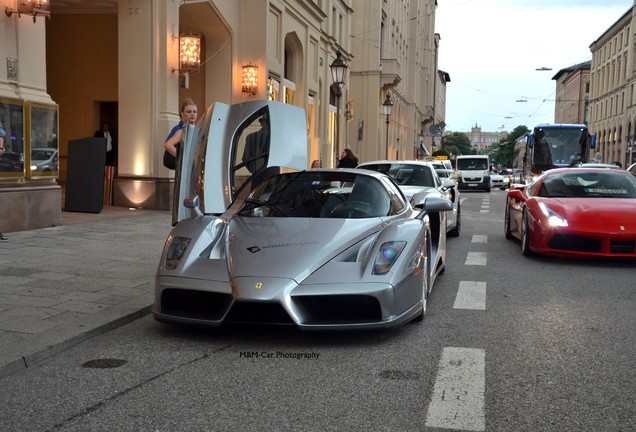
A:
x: 574, y: 243
x: 258, y: 312
x: 194, y: 304
x: 339, y: 309
x: 623, y: 247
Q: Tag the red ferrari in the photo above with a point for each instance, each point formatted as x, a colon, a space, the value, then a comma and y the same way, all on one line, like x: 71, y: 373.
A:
x: 575, y: 212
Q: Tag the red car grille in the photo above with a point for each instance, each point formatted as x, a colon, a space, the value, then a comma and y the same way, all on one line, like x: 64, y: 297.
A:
x: 575, y: 243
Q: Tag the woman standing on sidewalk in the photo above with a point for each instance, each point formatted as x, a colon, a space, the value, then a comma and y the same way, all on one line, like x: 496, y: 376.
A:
x: 2, y: 134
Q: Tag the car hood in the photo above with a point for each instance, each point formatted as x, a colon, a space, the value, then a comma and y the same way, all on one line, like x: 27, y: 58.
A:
x: 599, y: 211
x: 291, y: 247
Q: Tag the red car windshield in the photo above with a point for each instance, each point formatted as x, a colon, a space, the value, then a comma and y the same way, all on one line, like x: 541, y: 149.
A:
x: 589, y: 184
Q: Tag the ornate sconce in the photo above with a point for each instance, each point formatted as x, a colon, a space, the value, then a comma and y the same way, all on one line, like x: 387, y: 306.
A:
x: 189, y: 52
x: 249, y: 84
x: 34, y: 8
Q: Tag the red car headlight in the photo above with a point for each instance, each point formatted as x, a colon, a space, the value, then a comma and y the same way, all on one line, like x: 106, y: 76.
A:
x: 554, y: 219
x: 387, y: 255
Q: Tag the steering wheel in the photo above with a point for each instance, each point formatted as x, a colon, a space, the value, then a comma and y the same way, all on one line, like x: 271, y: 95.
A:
x: 352, y: 209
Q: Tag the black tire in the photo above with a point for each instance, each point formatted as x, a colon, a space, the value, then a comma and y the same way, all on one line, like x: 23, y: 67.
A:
x: 525, y: 236
x: 426, y: 286
x: 507, y: 231
x: 455, y: 231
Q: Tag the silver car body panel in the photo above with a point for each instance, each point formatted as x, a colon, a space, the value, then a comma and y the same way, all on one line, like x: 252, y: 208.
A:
x: 288, y: 270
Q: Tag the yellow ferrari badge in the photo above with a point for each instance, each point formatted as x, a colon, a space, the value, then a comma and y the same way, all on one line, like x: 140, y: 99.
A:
x: 259, y: 285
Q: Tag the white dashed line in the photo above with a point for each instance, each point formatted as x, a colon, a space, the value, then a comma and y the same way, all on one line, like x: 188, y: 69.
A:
x: 471, y: 295
x: 479, y: 239
x: 459, y: 394
x: 476, y: 258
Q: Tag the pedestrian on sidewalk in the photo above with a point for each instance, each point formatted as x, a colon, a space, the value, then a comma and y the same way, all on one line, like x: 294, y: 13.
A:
x: 2, y: 134
x: 172, y: 143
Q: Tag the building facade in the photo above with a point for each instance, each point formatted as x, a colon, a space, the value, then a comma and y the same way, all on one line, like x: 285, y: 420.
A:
x: 612, y: 99
x: 117, y: 61
x: 573, y: 94
x: 394, y: 53
x: 481, y: 141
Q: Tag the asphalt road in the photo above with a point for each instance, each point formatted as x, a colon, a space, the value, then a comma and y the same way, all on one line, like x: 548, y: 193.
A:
x: 508, y: 344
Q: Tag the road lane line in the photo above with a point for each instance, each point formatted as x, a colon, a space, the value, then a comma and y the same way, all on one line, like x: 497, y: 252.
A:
x: 459, y: 394
x: 479, y: 239
x: 476, y: 258
x: 471, y: 295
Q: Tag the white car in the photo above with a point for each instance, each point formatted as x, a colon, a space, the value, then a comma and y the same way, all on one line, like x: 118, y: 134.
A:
x: 499, y: 181
x: 416, y: 177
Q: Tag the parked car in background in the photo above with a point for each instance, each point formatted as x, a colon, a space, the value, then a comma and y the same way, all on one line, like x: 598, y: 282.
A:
x: 415, y: 177
x: 11, y: 162
x: 632, y: 169
x: 574, y: 212
x: 44, y: 160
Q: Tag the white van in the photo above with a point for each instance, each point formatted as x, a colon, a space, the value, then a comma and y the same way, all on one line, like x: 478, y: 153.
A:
x: 473, y: 172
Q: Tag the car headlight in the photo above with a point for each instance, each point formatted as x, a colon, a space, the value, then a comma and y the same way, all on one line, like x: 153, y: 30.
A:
x: 554, y: 219
x: 387, y: 256
x: 176, y: 251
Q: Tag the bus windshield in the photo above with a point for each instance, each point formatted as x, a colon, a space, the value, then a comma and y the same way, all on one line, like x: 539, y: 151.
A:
x: 558, y: 147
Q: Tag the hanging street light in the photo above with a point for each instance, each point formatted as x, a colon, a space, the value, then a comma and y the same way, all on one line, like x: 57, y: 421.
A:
x: 388, y: 107
x: 338, y: 73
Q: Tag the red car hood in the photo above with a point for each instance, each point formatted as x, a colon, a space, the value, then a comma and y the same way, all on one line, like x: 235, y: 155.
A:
x: 601, y: 212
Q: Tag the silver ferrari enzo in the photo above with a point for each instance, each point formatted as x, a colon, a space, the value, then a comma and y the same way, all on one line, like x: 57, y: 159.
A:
x: 322, y: 249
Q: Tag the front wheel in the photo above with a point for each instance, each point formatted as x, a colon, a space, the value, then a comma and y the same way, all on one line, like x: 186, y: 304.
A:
x: 525, y: 235
x: 458, y: 224
x: 426, y: 281
x: 507, y: 231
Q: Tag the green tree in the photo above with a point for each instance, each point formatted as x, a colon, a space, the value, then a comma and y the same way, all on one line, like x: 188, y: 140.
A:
x: 505, y: 152
x: 458, y: 143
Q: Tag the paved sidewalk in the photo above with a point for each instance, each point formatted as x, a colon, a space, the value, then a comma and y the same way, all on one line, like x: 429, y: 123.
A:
x: 65, y: 284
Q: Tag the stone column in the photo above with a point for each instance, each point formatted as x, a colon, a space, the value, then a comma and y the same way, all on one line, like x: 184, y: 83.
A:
x: 148, y: 100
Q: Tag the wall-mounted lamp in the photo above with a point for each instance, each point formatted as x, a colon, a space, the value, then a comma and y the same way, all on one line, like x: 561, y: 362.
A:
x: 249, y: 84
x: 34, y: 8
x: 189, y: 52
x: 189, y: 58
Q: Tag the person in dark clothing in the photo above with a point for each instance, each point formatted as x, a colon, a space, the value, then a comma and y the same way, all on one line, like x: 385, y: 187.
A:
x: 104, y: 132
x: 347, y: 159
x: 2, y: 134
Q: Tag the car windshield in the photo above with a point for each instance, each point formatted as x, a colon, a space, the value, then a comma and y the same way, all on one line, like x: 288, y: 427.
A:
x: 318, y: 194
x: 41, y: 154
x: 589, y: 184
x: 405, y: 174
x: 472, y: 164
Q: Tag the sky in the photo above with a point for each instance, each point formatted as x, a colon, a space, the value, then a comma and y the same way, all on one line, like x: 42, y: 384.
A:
x: 492, y: 48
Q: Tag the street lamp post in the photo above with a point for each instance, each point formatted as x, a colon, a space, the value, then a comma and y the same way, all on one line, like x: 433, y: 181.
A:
x: 338, y: 71
x: 388, y: 107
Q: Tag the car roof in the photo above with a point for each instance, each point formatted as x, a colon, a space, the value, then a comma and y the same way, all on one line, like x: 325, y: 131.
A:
x: 404, y: 162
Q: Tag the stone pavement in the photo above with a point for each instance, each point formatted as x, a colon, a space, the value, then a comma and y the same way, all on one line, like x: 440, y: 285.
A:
x: 65, y: 284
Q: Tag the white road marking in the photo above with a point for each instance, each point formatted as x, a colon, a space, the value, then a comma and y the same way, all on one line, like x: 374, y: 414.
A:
x: 476, y: 258
x: 479, y: 239
x: 459, y: 394
x: 471, y: 295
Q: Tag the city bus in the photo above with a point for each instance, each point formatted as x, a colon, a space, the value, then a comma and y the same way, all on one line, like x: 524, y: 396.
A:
x: 550, y: 146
